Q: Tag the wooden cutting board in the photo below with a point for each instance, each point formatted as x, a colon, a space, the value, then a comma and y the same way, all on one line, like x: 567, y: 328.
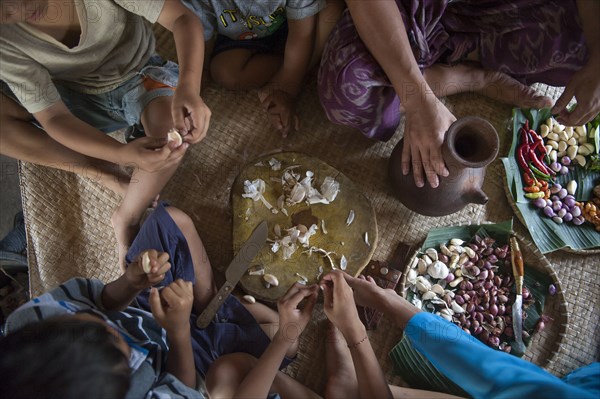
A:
x: 342, y: 239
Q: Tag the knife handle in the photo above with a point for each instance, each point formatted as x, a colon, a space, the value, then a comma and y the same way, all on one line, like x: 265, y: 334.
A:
x: 517, y: 263
x: 208, y: 314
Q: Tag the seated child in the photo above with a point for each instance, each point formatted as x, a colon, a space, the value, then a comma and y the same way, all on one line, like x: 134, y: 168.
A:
x: 45, y: 350
x: 71, y: 70
x: 247, y: 39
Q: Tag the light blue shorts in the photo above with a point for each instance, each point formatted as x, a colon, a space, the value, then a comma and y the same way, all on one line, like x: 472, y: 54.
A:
x: 122, y: 106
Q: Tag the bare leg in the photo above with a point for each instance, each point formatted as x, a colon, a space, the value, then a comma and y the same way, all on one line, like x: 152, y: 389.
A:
x: 242, y: 69
x: 469, y: 77
x: 21, y: 140
x: 341, y: 382
x: 144, y: 185
x: 205, y: 288
x: 227, y: 373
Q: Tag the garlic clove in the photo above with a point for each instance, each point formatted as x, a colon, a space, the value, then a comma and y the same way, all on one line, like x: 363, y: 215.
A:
x: 146, y: 262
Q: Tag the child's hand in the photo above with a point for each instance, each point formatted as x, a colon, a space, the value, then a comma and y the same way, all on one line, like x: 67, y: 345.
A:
x: 172, y: 306
x: 292, y: 320
x: 191, y: 116
x: 281, y: 109
x: 339, y: 305
x: 159, y: 265
x: 152, y: 154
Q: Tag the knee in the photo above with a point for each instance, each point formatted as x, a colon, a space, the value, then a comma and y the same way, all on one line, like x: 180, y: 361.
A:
x: 227, y: 373
x: 226, y: 77
x: 181, y: 219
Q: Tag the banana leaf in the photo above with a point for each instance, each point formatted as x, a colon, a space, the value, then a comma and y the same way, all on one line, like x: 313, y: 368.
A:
x: 414, y: 368
x: 548, y: 235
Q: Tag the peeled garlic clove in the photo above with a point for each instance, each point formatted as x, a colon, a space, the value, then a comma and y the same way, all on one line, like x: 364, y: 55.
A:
x: 257, y: 270
x: 173, y: 135
x: 146, y: 262
x: 456, y: 242
x: 438, y: 289
x: 323, y: 229
x: 367, y: 239
x: 421, y: 266
x: 271, y: 279
x: 350, y: 218
x: 572, y: 187
x: 429, y: 295
x: 412, y: 276
x: 456, y: 308
x: 445, y: 250
x: 249, y: 298
x: 423, y: 284
x: 432, y: 253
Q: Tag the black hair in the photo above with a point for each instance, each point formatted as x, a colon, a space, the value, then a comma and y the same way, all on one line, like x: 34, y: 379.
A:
x: 63, y: 358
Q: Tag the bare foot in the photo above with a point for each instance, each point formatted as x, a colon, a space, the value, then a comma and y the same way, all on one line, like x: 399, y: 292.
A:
x: 341, y: 375
x: 470, y: 77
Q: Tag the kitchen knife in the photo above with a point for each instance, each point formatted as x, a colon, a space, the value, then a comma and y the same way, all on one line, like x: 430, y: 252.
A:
x: 234, y: 272
x: 517, y: 309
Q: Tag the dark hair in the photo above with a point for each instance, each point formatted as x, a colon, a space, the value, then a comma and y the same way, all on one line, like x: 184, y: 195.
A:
x: 63, y: 358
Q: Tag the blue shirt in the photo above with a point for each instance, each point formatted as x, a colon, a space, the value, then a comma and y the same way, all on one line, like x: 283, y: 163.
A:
x: 484, y: 372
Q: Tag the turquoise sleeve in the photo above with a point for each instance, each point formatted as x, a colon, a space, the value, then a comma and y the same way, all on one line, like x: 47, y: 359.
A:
x: 481, y: 371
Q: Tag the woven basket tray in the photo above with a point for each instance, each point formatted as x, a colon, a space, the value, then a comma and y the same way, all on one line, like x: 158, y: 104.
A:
x: 543, y: 346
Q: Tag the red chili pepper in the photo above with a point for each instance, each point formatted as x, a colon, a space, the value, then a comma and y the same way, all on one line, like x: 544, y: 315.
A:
x: 522, y: 152
x: 528, y: 178
x: 539, y: 164
x: 538, y: 142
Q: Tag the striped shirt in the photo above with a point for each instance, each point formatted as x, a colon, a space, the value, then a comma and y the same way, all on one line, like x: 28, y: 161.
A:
x: 146, y: 338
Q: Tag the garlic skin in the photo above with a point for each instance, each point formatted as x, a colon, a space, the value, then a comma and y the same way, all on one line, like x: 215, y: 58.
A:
x: 330, y: 188
x: 254, y: 190
x: 249, y: 298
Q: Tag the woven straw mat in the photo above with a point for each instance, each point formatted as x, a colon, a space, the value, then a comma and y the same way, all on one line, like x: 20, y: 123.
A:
x: 69, y: 232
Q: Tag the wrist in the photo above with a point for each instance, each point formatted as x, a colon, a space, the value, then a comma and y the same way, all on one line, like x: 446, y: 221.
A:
x: 354, y: 332
x: 178, y: 334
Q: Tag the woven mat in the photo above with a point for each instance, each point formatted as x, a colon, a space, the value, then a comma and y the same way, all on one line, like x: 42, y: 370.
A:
x: 69, y: 232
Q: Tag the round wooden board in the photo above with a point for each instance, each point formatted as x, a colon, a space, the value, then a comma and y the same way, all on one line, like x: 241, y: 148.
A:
x: 340, y: 238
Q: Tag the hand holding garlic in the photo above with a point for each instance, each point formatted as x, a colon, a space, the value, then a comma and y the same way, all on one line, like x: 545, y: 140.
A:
x: 339, y: 306
x: 172, y: 306
x: 292, y: 320
x: 148, y: 269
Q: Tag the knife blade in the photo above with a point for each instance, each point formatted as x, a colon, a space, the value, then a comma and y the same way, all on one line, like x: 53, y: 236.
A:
x: 234, y: 272
x: 517, y: 309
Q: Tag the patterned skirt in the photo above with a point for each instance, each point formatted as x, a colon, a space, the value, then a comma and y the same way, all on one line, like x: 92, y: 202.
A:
x: 532, y: 41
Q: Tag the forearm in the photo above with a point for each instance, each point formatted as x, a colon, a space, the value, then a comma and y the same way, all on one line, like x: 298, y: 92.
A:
x: 118, y: 294
x: 298, y: 52
x: 258, y: 381
x: 189, y: 42
x: 77, y: 135
x: 371, y: 381
x: 180, y: 360
x: 588, y: 12
x: 381, y: 28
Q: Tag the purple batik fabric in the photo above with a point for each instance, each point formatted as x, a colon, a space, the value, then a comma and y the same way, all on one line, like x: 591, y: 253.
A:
x: 533, y: 41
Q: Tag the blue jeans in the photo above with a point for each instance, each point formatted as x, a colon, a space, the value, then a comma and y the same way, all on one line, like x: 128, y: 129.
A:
x: 122, y: 106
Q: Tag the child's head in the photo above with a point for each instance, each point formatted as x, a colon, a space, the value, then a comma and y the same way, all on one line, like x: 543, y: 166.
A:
x: 14, y: 11
x: 64, y: 357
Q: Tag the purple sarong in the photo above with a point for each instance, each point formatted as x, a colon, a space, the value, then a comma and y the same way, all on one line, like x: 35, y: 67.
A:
x: 532, y: 41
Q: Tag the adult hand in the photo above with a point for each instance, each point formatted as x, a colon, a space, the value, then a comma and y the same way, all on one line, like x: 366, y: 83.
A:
x: 292, y: 320
x: 280, y: 107
x: 585, y: 86
x: 339, y: 305
x: 191, y: 116
x: 171, y: 307
x: 424, y: 130
x: 159, y: 265
x: 151, y: 154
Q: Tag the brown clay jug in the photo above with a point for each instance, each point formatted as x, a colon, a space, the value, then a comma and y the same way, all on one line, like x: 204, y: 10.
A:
x: 470, y: 144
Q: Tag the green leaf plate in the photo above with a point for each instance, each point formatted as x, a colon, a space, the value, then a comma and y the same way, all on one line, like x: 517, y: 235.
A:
x: 548, y: 235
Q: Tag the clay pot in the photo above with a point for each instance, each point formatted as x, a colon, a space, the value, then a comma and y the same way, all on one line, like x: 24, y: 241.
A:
x: 470, y: 144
